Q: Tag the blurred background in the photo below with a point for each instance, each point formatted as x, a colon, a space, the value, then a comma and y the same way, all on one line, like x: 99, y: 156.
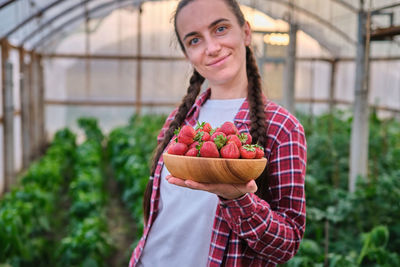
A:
x: 95, y: 76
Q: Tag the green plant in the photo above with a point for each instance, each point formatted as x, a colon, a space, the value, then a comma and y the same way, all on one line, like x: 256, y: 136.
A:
x: 88, y: 241
x: 27, y: 212
x: 130, y: 149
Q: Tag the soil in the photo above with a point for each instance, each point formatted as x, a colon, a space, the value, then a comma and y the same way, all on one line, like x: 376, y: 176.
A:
x: 120, y: 223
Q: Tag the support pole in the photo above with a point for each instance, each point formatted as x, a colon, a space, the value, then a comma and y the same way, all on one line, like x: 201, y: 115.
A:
x: 332, y: 86
x: 88, y: 82
x: 32, y: 106
x: 24, y: 98
x: 360, y: 127
x: 8, y: 118
x: 139, y: 63
x: 36, y: 110
x: 41, y: 107
x: 289, y: 88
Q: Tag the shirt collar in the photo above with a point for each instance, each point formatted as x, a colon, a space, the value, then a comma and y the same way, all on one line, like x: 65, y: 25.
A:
x: 242, y: 116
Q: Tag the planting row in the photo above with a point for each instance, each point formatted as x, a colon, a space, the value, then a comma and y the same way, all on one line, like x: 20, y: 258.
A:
x: 27, y: 212
x: 130, y: 150
x: 88, y: 241
x: 56, y: 215
x: 343, y: 229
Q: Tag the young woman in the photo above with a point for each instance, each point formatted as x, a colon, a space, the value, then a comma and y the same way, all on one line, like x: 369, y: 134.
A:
x: 260, y: 223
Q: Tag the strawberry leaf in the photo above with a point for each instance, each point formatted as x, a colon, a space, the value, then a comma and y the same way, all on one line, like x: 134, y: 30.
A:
x: 212, y: 131
x: 243, y: 138
x: 249, y: 148
x: 199, y: 136
x: 260, y: 147
x: 200, y: 125
x: 176, y: 132
x: 220, y: 141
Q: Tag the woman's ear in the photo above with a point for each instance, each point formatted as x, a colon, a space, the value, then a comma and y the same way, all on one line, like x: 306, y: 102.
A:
x: 247, y: 33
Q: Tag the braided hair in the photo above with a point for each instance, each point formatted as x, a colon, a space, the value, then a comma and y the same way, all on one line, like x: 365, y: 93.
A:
x: 254, y: 97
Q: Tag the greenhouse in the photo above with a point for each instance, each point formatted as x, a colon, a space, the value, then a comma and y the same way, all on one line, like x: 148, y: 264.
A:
x: 88, y: 84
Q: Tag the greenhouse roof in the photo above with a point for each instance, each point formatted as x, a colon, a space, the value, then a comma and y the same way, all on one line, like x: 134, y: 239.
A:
x: 333, y: 23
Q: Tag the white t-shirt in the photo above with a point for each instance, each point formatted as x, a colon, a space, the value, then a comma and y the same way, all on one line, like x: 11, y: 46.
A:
x: 181, y: 233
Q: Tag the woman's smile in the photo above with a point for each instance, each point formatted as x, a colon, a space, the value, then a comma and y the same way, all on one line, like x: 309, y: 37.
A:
x: 218, y: 62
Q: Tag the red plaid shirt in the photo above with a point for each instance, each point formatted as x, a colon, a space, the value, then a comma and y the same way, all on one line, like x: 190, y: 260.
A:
x: 250, y: 231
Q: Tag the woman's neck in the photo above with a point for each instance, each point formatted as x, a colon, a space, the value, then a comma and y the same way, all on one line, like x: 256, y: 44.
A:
x: 237, y: 88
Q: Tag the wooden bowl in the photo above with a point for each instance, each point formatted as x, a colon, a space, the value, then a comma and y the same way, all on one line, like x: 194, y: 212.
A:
x: 214, y: 170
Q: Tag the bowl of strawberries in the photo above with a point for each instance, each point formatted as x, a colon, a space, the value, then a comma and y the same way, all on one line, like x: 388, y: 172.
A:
x: 207, y: 155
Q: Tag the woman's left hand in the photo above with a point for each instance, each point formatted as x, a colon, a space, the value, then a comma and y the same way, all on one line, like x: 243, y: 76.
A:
x: 227, y: 191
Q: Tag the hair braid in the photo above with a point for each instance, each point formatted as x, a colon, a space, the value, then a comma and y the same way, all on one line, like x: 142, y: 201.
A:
x: 187, y: 102
x: 254, y: 96
x: 257, y: 116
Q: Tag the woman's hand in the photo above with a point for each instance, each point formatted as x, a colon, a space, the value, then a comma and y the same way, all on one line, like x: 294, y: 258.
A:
x: 227, y: 191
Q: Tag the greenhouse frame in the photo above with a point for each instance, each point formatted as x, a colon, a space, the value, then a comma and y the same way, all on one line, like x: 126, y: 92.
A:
x: 82, y: 80
x: 360, y: 37
x: 39, y: 24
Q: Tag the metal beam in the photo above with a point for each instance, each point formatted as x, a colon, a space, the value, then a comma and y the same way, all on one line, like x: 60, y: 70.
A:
x: 125, y: 103
x: 8, y: 116
x: 360, y: 126
x: 37, y: 14
x: 379, y: 9
x: 102, y: 103
x: 6, y: 3
x: 320, y: 20
x: 24, y: 104
x: 51, y: 20
x: 290, y: 70
x: 346, y: 5
x: 385, y: 33
x: 139, y: 62
x: 72, y: 20
x: 114, y: 57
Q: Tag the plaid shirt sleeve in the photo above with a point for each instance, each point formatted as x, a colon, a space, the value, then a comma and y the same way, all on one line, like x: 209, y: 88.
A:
x: 273, y: 228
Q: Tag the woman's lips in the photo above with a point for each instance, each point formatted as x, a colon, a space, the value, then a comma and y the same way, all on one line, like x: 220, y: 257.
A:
x: 218, y: 61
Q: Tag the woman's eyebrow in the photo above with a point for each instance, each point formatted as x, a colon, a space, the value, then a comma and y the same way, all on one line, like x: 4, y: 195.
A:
x: 210, y: 26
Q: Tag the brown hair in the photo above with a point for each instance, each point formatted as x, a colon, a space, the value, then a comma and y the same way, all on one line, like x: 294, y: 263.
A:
x: 254, y: 97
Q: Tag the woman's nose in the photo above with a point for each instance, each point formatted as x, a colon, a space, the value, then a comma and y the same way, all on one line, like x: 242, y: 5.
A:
x: 213, y: 47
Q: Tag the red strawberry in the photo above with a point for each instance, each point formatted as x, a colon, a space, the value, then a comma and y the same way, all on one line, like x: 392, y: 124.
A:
x: 194, y: 144
x: 205, y: 126
x: 202, y: 136
x: 215, y: 134
x: 245, y: 138
x: 259, y: 151
x: 230, y: 151
x: 229, y: 128
x: 192, y: 152
x: 234, y: 138
x: 177, y: 148
x: 209, y: 150
x: 206, y: 136
x: 247, y: 152
x: 186, y: 135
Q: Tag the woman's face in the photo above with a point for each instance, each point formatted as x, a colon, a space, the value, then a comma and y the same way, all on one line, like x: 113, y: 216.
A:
x: 214, y: 42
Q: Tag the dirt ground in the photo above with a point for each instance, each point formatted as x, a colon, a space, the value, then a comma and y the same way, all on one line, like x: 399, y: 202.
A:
x: 121, y: 226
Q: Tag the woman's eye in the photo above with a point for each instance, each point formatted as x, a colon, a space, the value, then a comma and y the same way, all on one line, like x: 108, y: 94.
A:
x: 221, y: 29
x: 194, y: 41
